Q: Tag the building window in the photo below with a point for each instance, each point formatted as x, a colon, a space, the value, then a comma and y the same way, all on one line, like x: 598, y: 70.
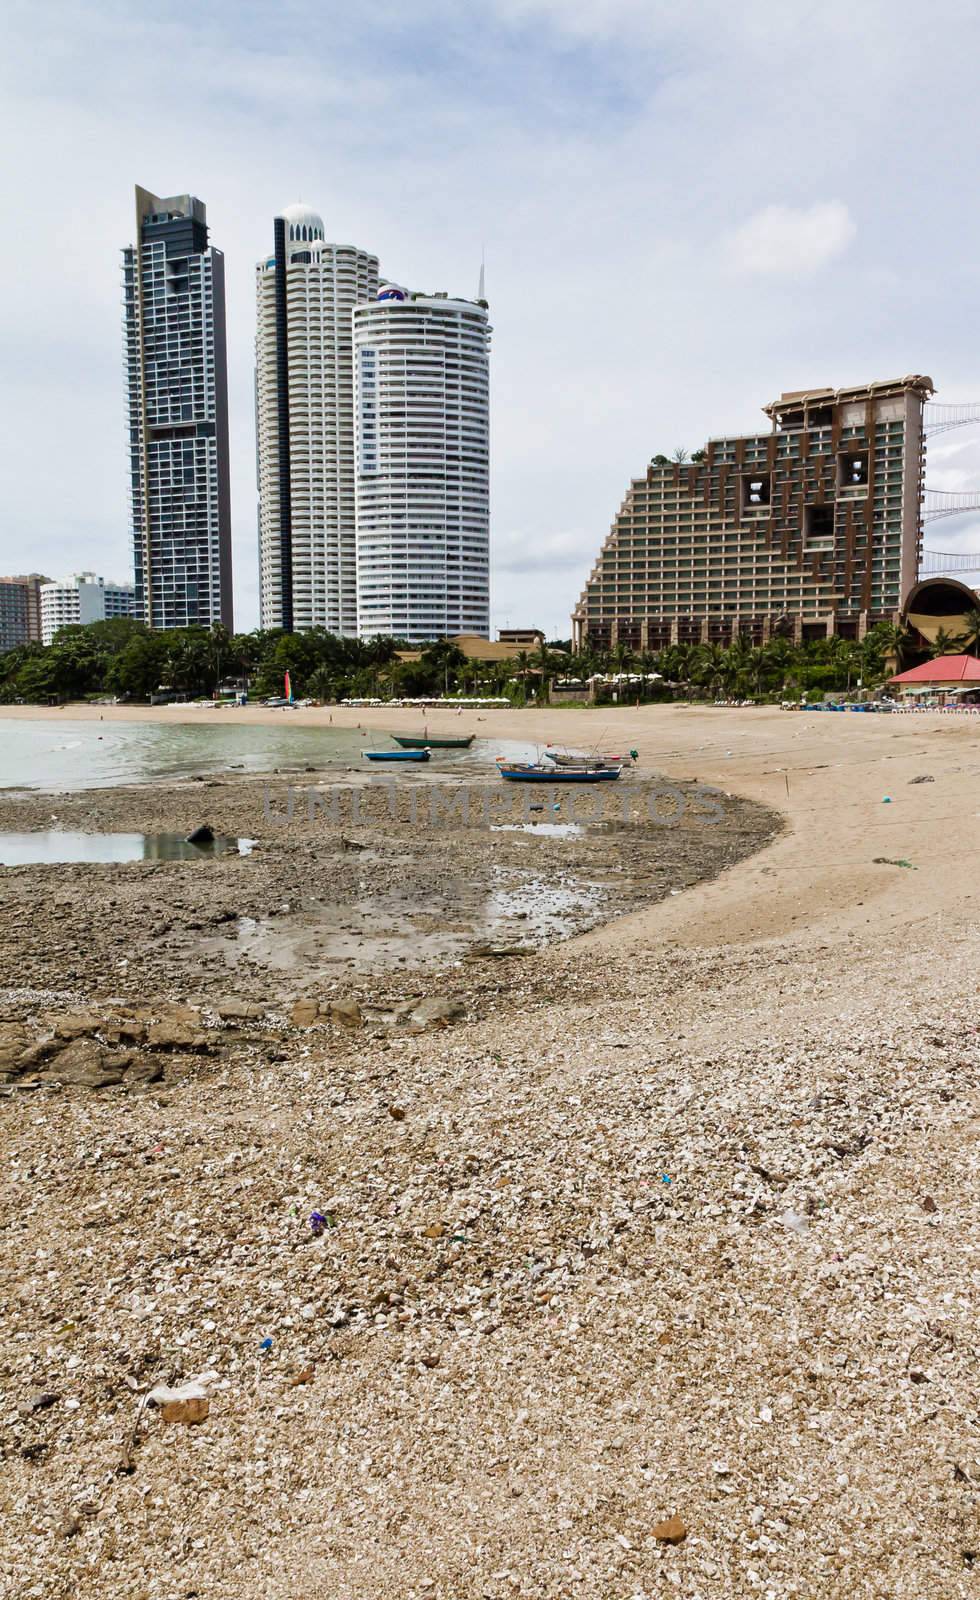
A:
x: 756, y: 491
x: 852, y: 469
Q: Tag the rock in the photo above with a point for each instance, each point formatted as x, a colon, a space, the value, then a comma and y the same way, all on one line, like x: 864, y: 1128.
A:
x: 671, y: 1531
x: 129, y: 1030
x: 37, y: 1052
x: 78, y: 1024
x: 926, y: 777
x: 70, y: 1526
x: 233, y: 1010
x: 144, y: 1071
x: 201, y: 835
x: 929, y: 1205
x: 438, y: 1011
x: 188, y: 1403
x: 347, y: 1012
x: 40, y: 1400
x: 171, y: 1034
x: 304, y: 1013
x: 86, y: 1065
x: 397, y: 1113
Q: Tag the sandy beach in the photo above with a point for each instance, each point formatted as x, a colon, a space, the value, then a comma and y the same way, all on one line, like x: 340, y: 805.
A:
x: 651, y: 1259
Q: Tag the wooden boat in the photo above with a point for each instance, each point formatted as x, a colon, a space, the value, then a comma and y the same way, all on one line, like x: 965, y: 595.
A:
x: 590, y: 763
x: 396, y: 755
x: 537, y: 772
x: 421, y: 741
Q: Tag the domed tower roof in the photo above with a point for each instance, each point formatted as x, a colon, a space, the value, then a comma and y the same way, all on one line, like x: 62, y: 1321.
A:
x: 304, y: 226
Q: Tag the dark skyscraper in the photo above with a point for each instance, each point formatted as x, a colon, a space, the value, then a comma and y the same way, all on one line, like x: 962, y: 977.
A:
x: 177, y: 389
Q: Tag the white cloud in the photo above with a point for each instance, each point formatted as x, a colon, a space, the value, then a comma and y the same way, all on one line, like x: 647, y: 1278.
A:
x: 783, y: 240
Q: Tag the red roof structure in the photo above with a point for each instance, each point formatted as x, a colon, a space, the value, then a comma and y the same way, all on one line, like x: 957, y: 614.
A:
x: 945, y: 669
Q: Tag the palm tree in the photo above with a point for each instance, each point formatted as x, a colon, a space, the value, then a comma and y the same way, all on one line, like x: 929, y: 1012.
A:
x: 893, y: 640
x: 971, y: 630
x: 622, y: 656
x: 945, y: 644
x: 713, y: 667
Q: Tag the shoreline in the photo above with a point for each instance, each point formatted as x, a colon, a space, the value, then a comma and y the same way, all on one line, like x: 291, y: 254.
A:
x: 670, y: 1219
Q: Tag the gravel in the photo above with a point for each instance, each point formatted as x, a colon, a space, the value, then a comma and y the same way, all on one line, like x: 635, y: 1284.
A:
x: 647, y: 1267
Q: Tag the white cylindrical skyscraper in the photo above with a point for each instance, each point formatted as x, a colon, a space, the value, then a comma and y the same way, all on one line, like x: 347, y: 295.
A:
x: 423, y: 465
x: 304, y: 402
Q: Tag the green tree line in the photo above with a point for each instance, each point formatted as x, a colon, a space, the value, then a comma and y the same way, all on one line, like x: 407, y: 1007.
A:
x: 124, y: 658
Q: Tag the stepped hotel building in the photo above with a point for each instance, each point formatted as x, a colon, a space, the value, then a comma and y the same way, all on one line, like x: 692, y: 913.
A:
x: 177, y: 393
x: 810, y: 529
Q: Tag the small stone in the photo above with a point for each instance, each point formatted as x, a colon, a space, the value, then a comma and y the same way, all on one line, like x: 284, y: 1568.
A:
x: 671, y: 1531
x: 434, y: 1231
x: 201, y: 835
x: 304, y: 1013
x: 440, y: 1012
x: 70, y: 1526
x: 929, y: 1204
x: 347, y: 1012
x: 397, y: 1113
x: 172, y: 1034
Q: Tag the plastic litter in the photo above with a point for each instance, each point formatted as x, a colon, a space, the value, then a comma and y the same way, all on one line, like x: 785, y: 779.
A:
x: 886, y: 799
x: 266, y: 1344
x: 320, y: 1221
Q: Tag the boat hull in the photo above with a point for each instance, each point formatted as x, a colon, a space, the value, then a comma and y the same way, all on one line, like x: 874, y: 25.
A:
x: 589, y: 763
x: 396, y: 755
x: 412, y: 741
x: 518, y: 774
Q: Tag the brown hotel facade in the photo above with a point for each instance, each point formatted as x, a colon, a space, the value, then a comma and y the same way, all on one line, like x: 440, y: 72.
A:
x: 811, y: 529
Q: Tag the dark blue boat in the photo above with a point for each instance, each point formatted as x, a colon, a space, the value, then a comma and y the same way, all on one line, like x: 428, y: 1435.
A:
x: 396, y: 755
x: 537, y: 772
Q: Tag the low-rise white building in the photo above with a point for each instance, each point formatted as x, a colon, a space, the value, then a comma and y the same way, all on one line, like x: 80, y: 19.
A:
x: 82, y: 598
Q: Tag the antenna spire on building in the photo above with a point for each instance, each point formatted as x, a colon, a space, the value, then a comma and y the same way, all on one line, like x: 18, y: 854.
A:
x: 481, y: 293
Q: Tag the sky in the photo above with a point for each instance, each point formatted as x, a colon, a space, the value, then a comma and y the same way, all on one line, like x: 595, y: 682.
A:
x: 684, y: 209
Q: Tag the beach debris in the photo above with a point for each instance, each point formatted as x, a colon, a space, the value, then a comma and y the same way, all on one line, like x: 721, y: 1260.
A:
x: 892, y: 861
x: 886, y: 799
x: 320, y: 1221
x: 929, y: 1205
x: 188, y: 1402
x: 266, y: 1344
x: 671, y: 1531
x: 397, y: 1113
x: 351, y: 844
x: 794, y: 1221
x: 305, y: 1376
x: 925, y: 777
x: 201, y: 835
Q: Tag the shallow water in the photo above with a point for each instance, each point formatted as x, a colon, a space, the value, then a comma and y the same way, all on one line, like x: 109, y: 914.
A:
x: 56, y: 847
x: 63, y: 757
x: 389, y: 929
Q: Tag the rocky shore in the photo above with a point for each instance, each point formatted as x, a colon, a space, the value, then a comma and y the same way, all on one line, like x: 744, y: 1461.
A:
x: 640, y: 1263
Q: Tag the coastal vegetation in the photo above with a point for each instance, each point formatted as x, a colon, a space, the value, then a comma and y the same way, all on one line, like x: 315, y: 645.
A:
x: 124, y: 659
